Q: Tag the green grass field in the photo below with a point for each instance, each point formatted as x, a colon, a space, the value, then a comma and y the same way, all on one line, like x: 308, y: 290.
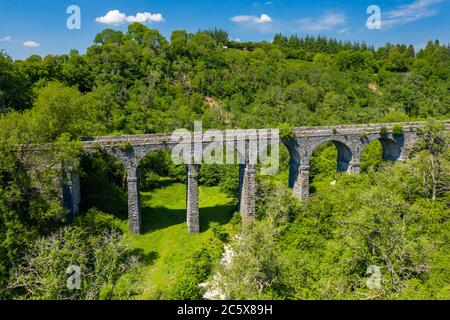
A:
x: 165, y: 241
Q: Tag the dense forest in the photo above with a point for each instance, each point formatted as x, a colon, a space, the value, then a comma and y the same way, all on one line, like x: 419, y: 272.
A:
x: 394, y: 215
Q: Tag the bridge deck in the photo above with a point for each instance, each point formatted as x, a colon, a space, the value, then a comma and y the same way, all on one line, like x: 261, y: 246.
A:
x: 166, y: 138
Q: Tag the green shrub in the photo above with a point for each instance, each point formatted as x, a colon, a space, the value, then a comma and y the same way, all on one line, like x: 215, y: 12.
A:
x: 126, y: 146
x: 211, y: 175
x: 383, y: 131
x: 96, y: 221
x: 364, y: 135
x: 177, y: 172
x: 149, y: 181
x: 372, y: 157
x: 286, y: 131
x: 218, y: 231
x: 236, y: 221
x: 230, y: 183
x: 103, y: 258
x: 197, y: 271
x: 397, y: 130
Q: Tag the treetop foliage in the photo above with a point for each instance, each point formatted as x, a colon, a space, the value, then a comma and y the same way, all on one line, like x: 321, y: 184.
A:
x: 140, y: 82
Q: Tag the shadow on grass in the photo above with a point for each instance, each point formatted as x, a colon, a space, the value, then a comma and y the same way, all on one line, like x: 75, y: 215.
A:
x: 103, y: 196
x: 107, y: 197
x: 157, y: 218
x: 161, y: 184
x: 221, y: 214
x: 146, y: 258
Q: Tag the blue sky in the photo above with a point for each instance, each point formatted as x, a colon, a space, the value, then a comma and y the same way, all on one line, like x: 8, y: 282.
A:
x: 39, y: 26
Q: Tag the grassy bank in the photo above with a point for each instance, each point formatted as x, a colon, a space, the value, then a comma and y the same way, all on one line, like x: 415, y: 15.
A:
x: 165, y: 241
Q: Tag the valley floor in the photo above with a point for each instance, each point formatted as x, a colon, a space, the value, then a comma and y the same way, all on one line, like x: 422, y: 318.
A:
x: 165, y: 241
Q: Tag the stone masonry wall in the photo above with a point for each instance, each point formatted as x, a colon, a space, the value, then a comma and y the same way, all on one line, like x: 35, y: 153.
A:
x: 350, y: 141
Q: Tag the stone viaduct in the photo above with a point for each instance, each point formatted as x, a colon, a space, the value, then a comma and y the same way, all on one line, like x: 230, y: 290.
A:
x: 350, y: 141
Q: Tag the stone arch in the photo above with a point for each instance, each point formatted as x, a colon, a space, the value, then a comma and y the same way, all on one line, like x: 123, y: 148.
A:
x: 345, y: 154
x: 298, y: 167
x: 130, y: 159
x: 130, y: 156
x: 392, y: 145
x: 192, y: 203
x: 391, y: 148
x: 148, y: 160
x: 293, y: 151
x: 241, y: 156
x: 115, y: 171
x: 302, y: 148
x: 295, y: 163
x: 295, y: 160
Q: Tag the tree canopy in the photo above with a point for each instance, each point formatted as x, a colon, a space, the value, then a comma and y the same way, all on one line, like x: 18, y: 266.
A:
x: 394, y: 216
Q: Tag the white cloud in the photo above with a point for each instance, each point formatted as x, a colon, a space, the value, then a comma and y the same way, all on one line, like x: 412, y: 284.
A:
x: 419, y: 9
x: 344, y: 30
x: 115, y: 17
x: 242, y: 18
x: 146, y: 17
x: 326, y: 22
x: 31, y: 44
x: 28, y: 44
x: 263, y: 18
x: 261, y: 4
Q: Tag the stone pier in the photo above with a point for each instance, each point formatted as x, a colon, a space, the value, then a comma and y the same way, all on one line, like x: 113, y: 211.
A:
x: 354, y: 167
x: 134, y: 200
x: 248, y: 193
x: 193, y: 216
x: 71, y: 193
x: 299, y: 179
